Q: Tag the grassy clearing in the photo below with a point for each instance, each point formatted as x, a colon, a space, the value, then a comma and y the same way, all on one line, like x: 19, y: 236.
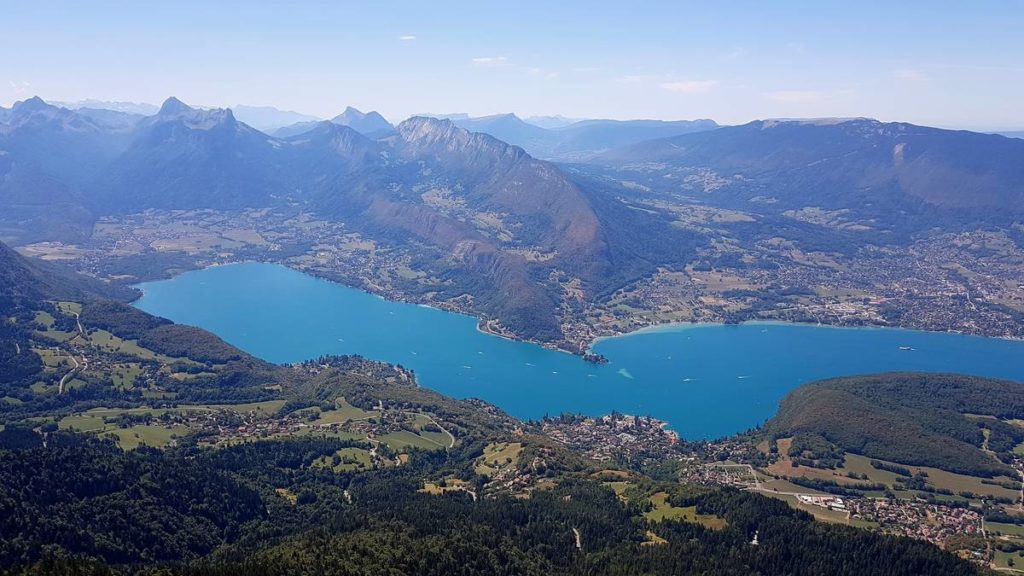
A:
x: 440, y: 437
x: 124, y: 375
x: 267, y: 407
x: 862, y: 465
x: 41, y: 388
x: 346, y: 459
x: 69, y: 308
x: 653, y: 540
x: 941, y: 479
x: 45, y: 318
x: 619, y: 487
x: 146, y: 434
x: 106, y: 341
x: 780, y: 485
x: 1002, y: 561
x: 664, y: 511
x: 498, y: 456
x: 445, y: 486
x: 343, y: 412
x: 95, y: 419
x: 288, y: 495
x: 53, y: 358
x: 787, y: 469
x: 958, y: 483
x: 403, y: 439
x: 1005, y: 529
x: 320, y: 433
x: 56, y: 335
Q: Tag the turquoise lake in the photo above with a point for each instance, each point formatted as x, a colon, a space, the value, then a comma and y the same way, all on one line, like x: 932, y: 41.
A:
x: 706, y: 380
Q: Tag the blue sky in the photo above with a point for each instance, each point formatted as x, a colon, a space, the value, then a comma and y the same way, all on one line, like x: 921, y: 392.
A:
x: 945, y: 63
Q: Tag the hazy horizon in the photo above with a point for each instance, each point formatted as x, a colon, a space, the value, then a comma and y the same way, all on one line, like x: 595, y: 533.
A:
x: 947, y: 64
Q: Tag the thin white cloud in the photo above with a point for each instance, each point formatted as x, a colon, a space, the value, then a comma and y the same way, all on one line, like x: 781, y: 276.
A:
x: 490, y: 61
x: 795, y: 96
x: 797, y: 47
x: 20, y: 88
x: 584, y: 69
x: 542, y: 73
x: 407, y: 38
x: 635, y: 78
x: 689, y: 86
x: 910, y: 75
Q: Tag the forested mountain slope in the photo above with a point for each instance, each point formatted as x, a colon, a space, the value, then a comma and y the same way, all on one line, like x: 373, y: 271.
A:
x: 938, y: 420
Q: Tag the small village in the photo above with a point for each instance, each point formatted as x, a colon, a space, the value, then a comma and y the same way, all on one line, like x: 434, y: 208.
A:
x: 614, y: 437
x: 935, y: 523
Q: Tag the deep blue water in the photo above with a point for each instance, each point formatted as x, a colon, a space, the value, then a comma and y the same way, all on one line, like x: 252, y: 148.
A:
x: 706, y: 381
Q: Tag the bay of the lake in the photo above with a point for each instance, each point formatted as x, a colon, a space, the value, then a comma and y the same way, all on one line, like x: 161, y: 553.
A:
x: 705, y: 380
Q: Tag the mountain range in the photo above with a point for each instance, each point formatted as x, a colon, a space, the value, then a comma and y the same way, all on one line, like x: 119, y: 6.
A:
x: 869, y: 168
x: 581, y: 140
x: 371, y: 124
x: 497, y: 223
x: 475, y: 202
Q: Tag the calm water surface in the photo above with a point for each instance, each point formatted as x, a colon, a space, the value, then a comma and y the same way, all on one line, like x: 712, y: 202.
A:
x: 707, y: 381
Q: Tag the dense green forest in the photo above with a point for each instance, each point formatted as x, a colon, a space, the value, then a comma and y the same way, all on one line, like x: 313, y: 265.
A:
x: 80, y: 505
x: 934, y: 420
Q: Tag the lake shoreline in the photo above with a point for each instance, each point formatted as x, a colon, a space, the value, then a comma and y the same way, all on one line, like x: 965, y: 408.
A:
x: 683, y: 326
x: 481, y: 322
x: 706, y: 380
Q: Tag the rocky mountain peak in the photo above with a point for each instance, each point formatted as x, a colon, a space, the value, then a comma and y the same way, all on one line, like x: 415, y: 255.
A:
x: 174, y: 107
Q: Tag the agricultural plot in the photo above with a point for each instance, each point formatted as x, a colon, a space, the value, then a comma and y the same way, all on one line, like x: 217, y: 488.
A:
x: 662, y: 510
x: 403, y: 439
x: 498, y: 456
x: 860, y: 466
x: 342, y: 413
x: 446, y: 486
x: 346, y: 460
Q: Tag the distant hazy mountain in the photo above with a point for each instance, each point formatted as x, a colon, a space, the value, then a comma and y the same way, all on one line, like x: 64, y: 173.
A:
x: 139, y: 108
x: 294, y: 129
x: 369, y: 124
x: 46, y: 155
x: 589, y: 137
x: 511, y: 129
x: 552, y: 122
x: 188, y: 158
x: 580, y: 140
x: 111, y: 118
x: 268, y: 118
x: 1012, y: 133
x: 58, y: 141
x: 879, y: 170
x: 454, y: 116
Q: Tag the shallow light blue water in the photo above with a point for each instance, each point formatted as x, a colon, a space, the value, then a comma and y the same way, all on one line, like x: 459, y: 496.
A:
x: 706, y: 381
